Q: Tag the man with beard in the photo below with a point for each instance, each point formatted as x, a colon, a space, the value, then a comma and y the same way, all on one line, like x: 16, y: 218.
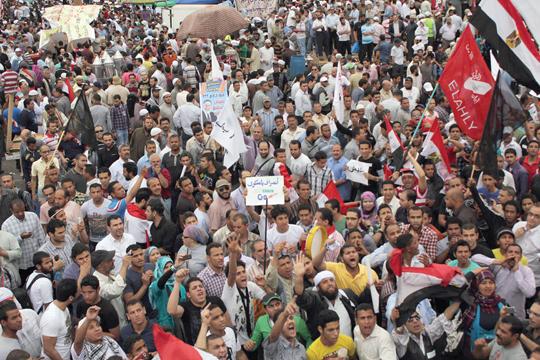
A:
x: 349, y: 273
x: 220, y: 205
x: 107, y: 151
x: 326, y: 296
x: 39, y: 284
x: 162, y: 230
x: 274, y: 308
x: 189, y: 311
x: 139, y: 138
x: 264, y: 163
x: 426, y: 236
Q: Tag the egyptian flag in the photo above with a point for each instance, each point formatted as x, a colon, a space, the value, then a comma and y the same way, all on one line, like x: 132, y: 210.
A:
x: 434, y: 149
x: 467, y: 83
x: 69, y: 89
x: 414, y: 284
x: 504, y: 111
x: 509, y: 27
x: 169, y: 347
x: 395, y: 144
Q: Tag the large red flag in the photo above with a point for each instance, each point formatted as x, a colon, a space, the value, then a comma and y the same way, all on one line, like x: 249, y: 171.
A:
x: 434, y: 148
x: 468, y: 84
x: 170, y: 347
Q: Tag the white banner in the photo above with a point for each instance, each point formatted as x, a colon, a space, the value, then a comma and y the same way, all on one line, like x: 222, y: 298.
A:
x: 261, y: 188
x: 259, y: 8
x: 356, y: 171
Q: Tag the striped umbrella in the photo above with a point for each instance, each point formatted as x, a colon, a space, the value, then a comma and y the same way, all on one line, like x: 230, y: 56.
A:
x: 213, y: 22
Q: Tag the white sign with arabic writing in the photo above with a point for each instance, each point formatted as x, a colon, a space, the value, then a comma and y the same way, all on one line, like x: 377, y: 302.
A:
x: 356, y: 171
x: 261, y: 188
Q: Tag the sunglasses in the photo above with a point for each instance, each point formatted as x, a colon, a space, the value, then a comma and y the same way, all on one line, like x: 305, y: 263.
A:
x: 414, y: 317
x: 99, y: 131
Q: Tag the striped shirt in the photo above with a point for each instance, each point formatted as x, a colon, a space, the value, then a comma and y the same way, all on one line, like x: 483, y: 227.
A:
x: 318, y: 178
x: 64, y: 252
x: 119, y: 117
x: 9, y: 80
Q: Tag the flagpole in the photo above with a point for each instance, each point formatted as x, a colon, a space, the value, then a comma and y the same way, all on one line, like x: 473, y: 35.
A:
x: 265, y: 235
x: 64, y: 129
x: 423, y: 114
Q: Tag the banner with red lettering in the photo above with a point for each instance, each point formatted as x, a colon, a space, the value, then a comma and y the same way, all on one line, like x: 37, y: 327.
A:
x: 468, y: 84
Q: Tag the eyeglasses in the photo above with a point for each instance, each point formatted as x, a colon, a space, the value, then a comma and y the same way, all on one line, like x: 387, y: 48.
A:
x: 99, y: 131
x: 414, y: 317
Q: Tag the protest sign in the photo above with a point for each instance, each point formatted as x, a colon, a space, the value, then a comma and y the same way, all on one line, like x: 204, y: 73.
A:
x: 260, y: 188
x: 213, y: 97
x: 356, y: 171
x: 259, y: 8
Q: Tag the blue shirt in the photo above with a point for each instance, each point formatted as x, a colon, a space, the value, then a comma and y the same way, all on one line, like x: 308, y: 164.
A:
x: 15, y: 124
x: 336, y: 166
x: 367, y: 39
x: 471, y: 267
x: 117, y: 207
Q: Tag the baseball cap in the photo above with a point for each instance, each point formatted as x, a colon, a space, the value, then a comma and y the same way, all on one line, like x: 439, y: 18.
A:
x: 100, y: 256
x: 221, y: 183
x: 505, y: 231
x: 266, y: 98
x: 267, y: 299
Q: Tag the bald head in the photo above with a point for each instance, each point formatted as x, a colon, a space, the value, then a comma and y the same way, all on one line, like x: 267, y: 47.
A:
x: 454, y: 198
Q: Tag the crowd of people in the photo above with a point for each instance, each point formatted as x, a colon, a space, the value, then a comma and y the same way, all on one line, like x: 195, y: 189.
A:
x: 98, y: 244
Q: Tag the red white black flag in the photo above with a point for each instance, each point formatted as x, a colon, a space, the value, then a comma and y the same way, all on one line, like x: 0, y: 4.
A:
x: 509, y: 27
x: 467, y: 83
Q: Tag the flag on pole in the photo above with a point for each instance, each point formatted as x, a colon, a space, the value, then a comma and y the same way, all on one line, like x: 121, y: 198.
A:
x: 509, y: 27
x: 81, y: 123
x: 337, y: 103
x: 216, y: 74
x: 228, y: 133
x: 331, y: 192
x: 504, y: 111
x: 434, y: 149
x: 396, y: 147
x: 467, y: 83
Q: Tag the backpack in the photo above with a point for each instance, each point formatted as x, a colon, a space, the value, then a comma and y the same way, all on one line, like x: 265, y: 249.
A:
x: 29, y: 286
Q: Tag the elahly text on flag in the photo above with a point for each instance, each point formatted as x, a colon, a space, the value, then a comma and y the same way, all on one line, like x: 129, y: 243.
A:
x: 467, y: 83
x: 507, y: 26
x: 504, y: 111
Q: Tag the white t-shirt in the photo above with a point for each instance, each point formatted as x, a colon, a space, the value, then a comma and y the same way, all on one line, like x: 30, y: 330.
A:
x: 41, y: 291
x: 97, y: 219
x: 398, y: 55
x: 57, y: 323
x: 233, y: 302
x: 230, y: 340
x: 291, y: 236
x: 7, y: 345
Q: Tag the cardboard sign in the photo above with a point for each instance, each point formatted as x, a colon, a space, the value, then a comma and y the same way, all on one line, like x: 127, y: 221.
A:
x: 356, y: 171
x: 261, y: 188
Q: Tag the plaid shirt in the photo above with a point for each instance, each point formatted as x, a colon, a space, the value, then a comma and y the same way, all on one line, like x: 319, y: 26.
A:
x: 119, y: 117
x: 428, y: 239
x: 213, y: 282
x: 29, y: 245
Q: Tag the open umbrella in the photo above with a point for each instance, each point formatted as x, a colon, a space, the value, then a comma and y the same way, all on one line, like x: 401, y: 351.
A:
x: 213, y: 22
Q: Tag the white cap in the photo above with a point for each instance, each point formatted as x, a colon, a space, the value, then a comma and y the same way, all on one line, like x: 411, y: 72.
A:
x: 155, y: 131
x: 281, y: 62
x: 166, y: 93
x: 324, y: 78
x: 360, y: 107
x: 18, y: 49
x: 143, y: 112
x: 175, y: 80
x: 508, y: 130
x: 33, y: 93
x: 322, y: 276
x: 267, y: 41
x: 235, y: 42
x: 175, y: 63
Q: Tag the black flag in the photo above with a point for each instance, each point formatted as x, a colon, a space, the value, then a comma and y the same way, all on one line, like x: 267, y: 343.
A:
x: 81, y: 123
x: 504, y: 111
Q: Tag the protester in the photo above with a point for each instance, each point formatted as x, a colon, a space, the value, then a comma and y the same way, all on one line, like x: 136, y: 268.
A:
x: 147, y: 155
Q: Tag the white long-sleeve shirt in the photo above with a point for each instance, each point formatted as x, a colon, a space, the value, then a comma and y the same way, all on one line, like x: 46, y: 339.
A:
x: 378, y: 345
x: 513, y: 286
x: 530, y: 243
x: 302, y: 103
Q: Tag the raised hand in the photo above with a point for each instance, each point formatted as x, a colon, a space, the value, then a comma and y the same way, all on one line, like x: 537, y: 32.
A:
x: 299, y: 267
x: 92, y: 312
